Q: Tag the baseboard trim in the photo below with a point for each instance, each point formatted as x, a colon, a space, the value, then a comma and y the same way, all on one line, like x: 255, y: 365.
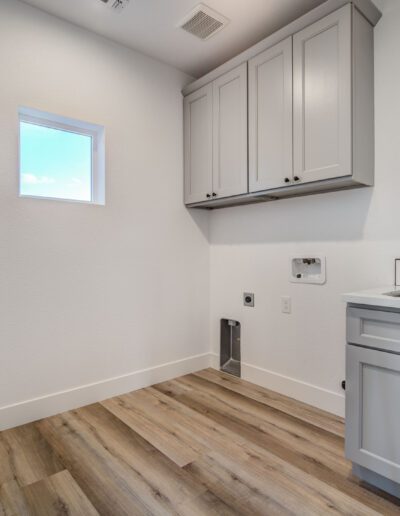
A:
x: 55, y: 403
x: 297, y: 389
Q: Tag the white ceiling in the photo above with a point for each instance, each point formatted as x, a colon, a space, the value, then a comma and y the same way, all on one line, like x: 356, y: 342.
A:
x: 150, y: 26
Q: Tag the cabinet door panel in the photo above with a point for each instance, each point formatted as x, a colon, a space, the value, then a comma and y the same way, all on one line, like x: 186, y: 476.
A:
x: 198, y: 144
x: 230, y: 133
x: 270, y: 117
x: 372, y: 410
x: 322, y: 98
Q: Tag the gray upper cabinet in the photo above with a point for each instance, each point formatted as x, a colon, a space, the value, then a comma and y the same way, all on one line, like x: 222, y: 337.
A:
x: 270, y: 118
x: 215, y: 134
x: 230, y: 133
x: 198, y: 121
x: 310, y: 121
x: 322, y: 98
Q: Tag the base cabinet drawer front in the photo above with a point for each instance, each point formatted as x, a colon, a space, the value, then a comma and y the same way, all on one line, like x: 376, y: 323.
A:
x: 373, y: 410
x: 374, y: 328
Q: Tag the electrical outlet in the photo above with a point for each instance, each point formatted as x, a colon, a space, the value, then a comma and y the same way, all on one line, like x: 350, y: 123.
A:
x: 286, y: 305
x: 248, y: 299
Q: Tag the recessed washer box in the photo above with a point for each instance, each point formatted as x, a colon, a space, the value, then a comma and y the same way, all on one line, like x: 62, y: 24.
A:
x: 308, y: 268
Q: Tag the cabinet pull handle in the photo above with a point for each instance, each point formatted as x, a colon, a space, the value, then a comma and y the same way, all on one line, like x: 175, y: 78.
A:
x: 296, y: 178
x: 214, y: 194
x: 287, y: 180
x: 208, y: 196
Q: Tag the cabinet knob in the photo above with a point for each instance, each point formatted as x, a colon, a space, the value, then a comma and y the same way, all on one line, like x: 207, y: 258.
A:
x: 208, y: 196
x: 214, y: 194
x: 296, y: 178
x: 287, y: 180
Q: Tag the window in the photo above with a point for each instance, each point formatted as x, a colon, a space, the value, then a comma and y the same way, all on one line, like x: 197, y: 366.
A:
x: 60, y: 158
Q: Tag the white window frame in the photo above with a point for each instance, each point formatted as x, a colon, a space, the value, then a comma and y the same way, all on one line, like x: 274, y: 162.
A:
x: 97, y: 134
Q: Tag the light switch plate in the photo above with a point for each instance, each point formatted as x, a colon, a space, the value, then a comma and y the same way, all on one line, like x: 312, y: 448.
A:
x: 286, y: 305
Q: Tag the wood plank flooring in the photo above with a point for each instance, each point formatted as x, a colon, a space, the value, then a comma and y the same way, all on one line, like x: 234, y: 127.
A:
x: 203, y: 444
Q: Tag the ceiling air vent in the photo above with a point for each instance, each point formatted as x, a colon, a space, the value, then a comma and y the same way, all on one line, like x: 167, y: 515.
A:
x: 203, y: 22
x: 116, y: 5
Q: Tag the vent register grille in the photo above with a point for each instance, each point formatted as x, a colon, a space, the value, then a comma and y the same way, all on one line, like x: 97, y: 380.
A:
x: 203, y: 22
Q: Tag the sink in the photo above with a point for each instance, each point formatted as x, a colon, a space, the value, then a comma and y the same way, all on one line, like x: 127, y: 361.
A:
x: 394, y: 293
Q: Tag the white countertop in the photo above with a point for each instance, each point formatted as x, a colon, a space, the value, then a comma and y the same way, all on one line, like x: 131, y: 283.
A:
x: 374, y: 297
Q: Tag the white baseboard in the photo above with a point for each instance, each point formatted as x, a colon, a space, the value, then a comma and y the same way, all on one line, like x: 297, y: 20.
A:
x: 49, y: 405
x: 297, y: 389
x: 214, y: 361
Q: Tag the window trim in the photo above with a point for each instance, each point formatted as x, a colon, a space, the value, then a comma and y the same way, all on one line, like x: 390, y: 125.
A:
x: 97, y: 134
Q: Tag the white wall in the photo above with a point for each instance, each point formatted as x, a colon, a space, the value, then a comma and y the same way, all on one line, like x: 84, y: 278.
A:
x: 303, y: 354
x: 89, y: 293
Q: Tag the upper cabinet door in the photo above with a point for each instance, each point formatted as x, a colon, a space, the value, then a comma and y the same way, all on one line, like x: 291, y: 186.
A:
x: 230, y: 133
x: 322, y: 98
x: 198, y: 118
x: 270, y: 117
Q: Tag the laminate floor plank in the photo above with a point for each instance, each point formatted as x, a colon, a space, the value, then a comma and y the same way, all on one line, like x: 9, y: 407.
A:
x: 307, y: 413
x: 25, y: 456
x: 234, y: 490
x: 56, y: 495
x: 236, y: 448
x: 207, y: 504
x: 278, y: 489
x: 293, y: 489
x: 148, y: 425
x: 305, y: 454
x: 151, y: 480
x: 204, y: 444
x: 164, y: 481
x: 12, y: 500
x: 174, y: 422
x: 256, y: 425
x: 260, y: 414
x: 106, y: 481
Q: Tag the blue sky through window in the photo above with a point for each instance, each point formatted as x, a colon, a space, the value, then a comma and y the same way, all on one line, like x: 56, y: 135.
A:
x: 55, y: 163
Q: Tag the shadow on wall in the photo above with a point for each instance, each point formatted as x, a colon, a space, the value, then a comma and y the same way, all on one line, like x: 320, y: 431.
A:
x: 202, y: 221
x: 335, y: 216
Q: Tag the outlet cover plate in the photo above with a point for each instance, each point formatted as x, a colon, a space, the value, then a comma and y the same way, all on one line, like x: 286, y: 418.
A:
x: 248, y: 299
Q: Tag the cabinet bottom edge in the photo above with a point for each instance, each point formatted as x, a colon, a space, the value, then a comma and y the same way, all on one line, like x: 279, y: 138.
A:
x: 376, y: 480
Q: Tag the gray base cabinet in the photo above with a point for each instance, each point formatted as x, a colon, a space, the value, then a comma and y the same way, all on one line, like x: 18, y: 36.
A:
x: 376, y: 480
x: 373, y: 392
